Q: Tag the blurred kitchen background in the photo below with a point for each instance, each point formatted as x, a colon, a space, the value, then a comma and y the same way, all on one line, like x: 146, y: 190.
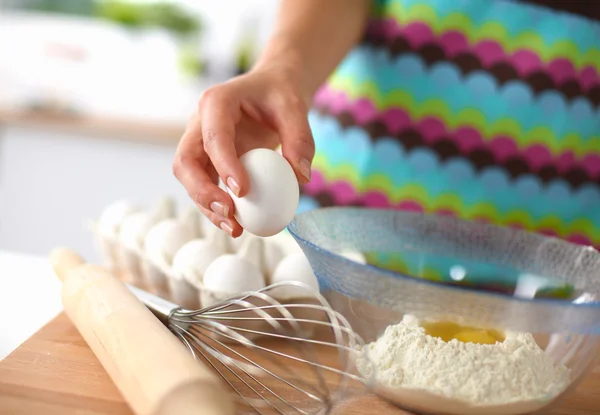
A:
x: 94, y: 95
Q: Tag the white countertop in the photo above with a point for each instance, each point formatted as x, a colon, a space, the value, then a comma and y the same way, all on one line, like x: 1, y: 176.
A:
x: 29, y: 298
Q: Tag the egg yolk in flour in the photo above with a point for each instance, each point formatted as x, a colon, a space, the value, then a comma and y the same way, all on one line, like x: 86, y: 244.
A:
x: 447, y: 331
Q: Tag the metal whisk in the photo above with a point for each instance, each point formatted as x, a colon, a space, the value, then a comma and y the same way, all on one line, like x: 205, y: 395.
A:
x: 292, y: 357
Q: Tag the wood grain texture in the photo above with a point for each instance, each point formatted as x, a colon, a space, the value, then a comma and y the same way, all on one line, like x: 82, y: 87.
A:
x: 55, y: 373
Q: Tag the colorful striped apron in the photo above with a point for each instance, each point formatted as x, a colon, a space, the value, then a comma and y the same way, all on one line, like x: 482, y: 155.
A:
x: 485, y: 110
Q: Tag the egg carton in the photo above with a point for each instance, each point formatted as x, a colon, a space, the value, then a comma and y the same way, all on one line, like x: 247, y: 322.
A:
x: 186, y: 259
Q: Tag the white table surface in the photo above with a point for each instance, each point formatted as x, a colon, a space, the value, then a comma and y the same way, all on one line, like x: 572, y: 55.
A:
x: 29, y: 298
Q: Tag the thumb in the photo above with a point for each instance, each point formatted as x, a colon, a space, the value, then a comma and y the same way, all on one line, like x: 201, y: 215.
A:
x: 297, y: 144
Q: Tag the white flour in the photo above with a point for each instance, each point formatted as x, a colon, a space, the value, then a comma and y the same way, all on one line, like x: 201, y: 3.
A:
x: 479, y: 374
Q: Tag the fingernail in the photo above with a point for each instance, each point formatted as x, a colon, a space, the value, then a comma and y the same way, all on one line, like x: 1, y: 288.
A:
x: 304, y: 168
x: 220, y: 209
x: 234, y: 186
x: 226, y: 228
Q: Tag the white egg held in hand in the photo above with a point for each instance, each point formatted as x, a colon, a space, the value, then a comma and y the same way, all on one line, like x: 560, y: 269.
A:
x: 232, y: 274
x: 273, y: 195
x: 294, y: 267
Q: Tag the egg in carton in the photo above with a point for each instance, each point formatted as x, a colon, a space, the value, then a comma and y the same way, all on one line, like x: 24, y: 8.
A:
x: 295, y: 267
x: 190, y: 264
x: 161, y: 243
x: 106, y: 231
x: 231, y: 273
x: 185, y: 277
x: 286, y: 243
x: 132, y: 234
x: 261, y: 261
x: 225, y: 278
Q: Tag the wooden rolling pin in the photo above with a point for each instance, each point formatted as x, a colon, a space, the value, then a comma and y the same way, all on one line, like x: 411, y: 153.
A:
x: 153, y: 370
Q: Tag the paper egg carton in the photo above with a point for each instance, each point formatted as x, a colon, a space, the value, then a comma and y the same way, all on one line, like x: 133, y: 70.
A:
x: 184, y: 258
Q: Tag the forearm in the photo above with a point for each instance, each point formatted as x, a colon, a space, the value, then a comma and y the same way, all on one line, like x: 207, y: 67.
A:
x: 311, y: 37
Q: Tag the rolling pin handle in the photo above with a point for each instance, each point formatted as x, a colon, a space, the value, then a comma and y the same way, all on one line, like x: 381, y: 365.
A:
x: 63, y: 261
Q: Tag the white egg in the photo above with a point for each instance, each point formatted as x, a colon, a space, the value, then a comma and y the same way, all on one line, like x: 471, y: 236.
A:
x: 136, y: 226
x: 113, y: 216
x: 264, y: 253
x: 192, y: 260
x: 232, y: 274
x: 134, y: 229
x: 294, y: 267
x: 273, y: 195
x: 165, y: 238
x: 273, y: 253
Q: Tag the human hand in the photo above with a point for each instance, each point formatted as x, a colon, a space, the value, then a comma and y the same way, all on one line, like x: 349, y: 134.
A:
x: 263, y: 108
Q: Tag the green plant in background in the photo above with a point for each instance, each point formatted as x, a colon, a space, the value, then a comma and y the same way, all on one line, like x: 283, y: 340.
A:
x: 122, y: 12
x: 173, y: 18
x: 159, y: 14
x: 189, y: 61
x: 244, y: 58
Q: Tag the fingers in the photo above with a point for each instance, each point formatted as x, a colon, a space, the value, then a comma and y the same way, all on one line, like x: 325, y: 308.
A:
x: 230, y: 226
x: 191, y: 169
x: 297, y: 143
x: 208, y: 148
x: 219, y: 119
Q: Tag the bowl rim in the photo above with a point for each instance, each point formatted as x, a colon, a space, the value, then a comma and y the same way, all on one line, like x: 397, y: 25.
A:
x: 296, y: 233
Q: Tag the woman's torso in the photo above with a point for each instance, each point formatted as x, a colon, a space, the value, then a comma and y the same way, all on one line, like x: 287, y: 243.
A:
x: 487, y: 110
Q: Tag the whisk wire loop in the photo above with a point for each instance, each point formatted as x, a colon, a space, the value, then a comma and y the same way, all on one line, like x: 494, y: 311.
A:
x: 270, y: 352
x: 232, y: 364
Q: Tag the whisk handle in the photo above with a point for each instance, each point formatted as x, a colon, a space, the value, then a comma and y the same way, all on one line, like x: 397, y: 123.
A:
x: 152, y: 369
x: 161, y: 308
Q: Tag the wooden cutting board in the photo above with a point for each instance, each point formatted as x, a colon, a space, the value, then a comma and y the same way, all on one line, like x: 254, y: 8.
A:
x: 55, y: 373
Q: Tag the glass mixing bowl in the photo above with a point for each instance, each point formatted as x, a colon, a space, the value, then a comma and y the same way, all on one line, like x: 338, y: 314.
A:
x: 376, y: 266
